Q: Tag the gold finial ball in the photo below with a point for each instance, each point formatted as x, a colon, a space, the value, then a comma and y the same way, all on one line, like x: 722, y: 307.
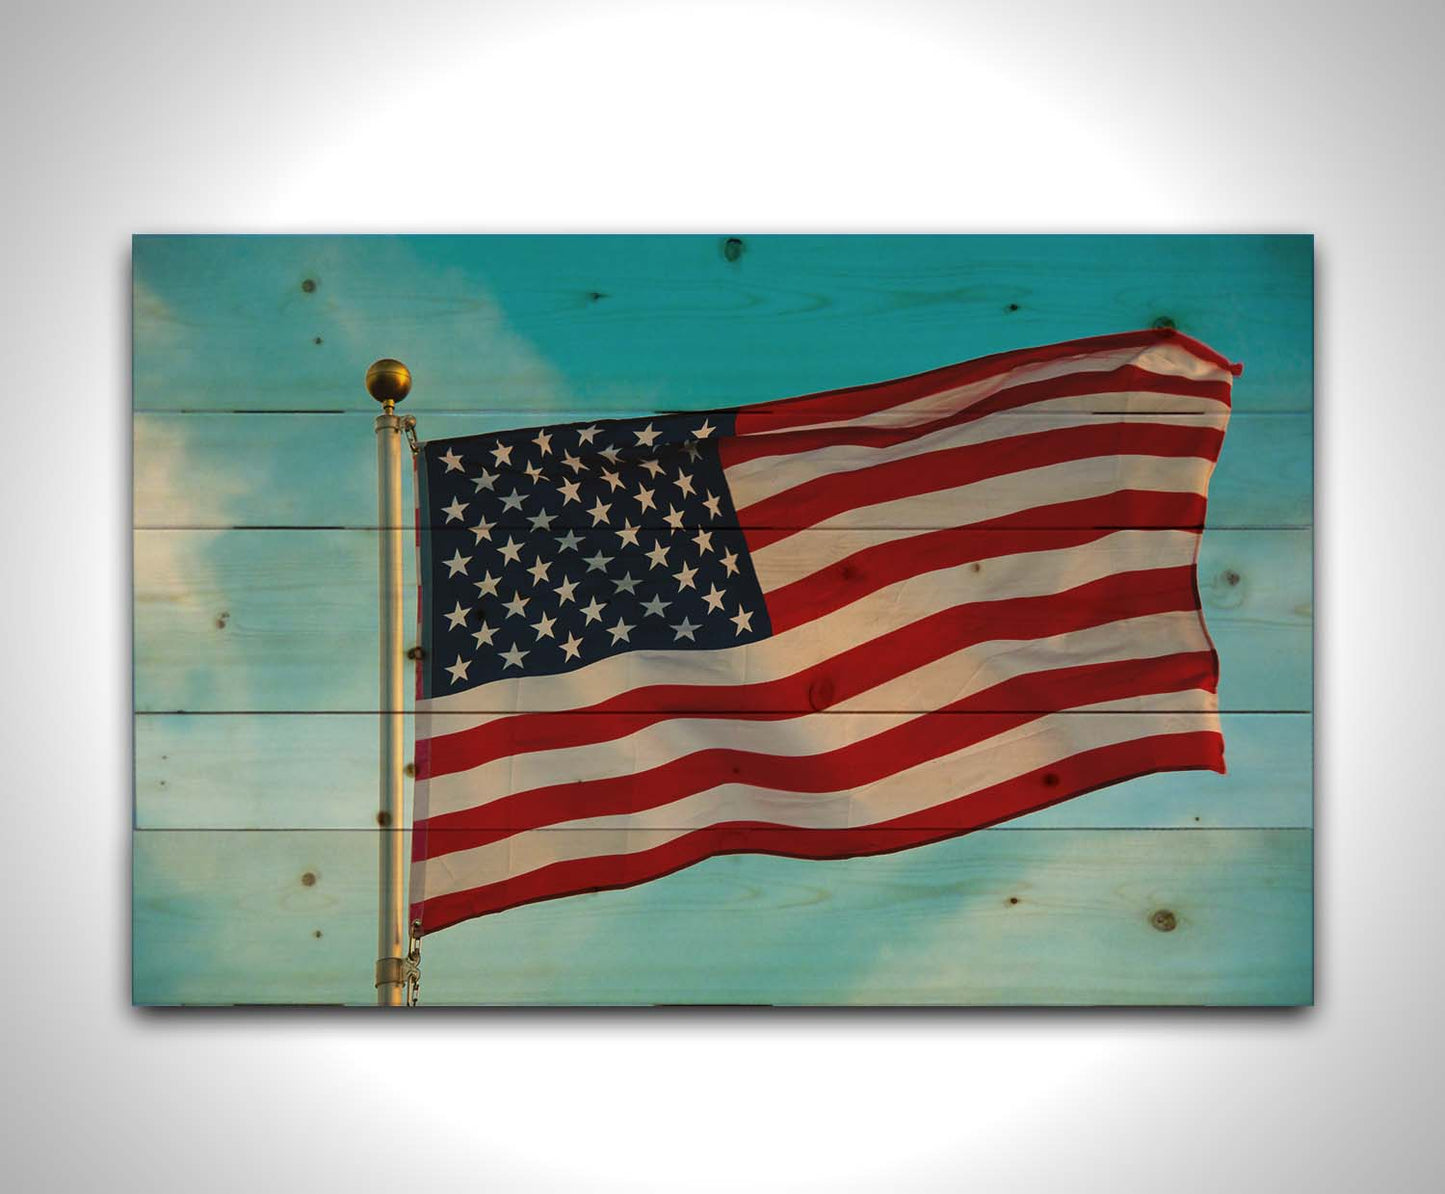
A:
x: 388, y: 380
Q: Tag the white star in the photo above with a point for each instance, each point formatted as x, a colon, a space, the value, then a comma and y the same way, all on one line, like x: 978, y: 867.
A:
x: 533, y: 472
x: 730, y: 563
x: 569, y: 541
x: 452, y: 461
x: 459, y: 669
x: 571, y: 646
x: 711, y: 503
x: 597, y: 563
x: 684, y: 578
x: 543, y: 442
x: 588, y: 434
x: 458, y: 563
x: 512, y: 552
x: 610, y: 455
x: 673, y: 518
x: 652, y: 465
x: 513, y: 657
x: 683, y: 630
x: 705, y: 430
x: 714, y: 599
x: 684, y: 483
x: 543, y: 627
x: 569, y: 491
x: 484, y: 635
x: 502, y: 454
x: 599, y: 512
x: 628, y: 534
x: 487, y: 586
x: 626, y: 584
x: 592, y: 612
x: 743, y: 620
x: 647, y: 435
x: 613, y: 480
x: 483, y: 530
x: 538, y: 571
x: 658, y: 556
x: 564, y: 591
x: 512, y: 501
x: 486, y: 481
x: 542, y: 521
x: 644, y: 496
x: 455, y: 511
x: 703, y: 539
x: 458, y: 617
x: 517, y: 606
x: 572, y: 462
x: 619, y: 632
x: 656, y: 606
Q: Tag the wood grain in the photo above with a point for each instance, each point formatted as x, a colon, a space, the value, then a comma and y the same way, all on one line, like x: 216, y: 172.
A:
x: 320, y: 470
x: 627, y: 323
x: 251, y: 620
x: 1001, y: 916
x: 254, y: 859
x: 318, y: 771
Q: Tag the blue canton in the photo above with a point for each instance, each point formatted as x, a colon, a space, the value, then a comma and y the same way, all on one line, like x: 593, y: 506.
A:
x: 548, y: 548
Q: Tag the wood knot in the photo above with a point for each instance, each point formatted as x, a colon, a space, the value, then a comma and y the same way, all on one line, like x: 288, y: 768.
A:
x: 308, y: 878
x: 222, y: 618
x: 308, y: 286
x: 383, y: 818
x: 1051, y: 779
x: 416, y: 653
x: 409, y: 770
x: 1230, y: 577
x: 1164, y: 920
x: 820, y: 693
x: 1163, y: 323
x: 1012, y: 307
x: 732, y: 248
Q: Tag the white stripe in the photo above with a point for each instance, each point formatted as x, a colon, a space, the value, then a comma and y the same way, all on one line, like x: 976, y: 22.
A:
x: 1023, y: 575
x: 790, y: 559
x: 1039, y: 743
x: 1167, y: 358
x: 931, y: 687
x: 754, y: 480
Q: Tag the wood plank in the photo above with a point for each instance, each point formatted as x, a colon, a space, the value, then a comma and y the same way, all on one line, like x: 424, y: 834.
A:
x: 227, y: 470
x: 318, y: 771
x: 1004, y: 916
x: 249, y: 620
x: 679, y: 322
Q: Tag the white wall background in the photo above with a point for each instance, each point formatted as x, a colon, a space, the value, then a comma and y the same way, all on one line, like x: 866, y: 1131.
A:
x: 839, y: 115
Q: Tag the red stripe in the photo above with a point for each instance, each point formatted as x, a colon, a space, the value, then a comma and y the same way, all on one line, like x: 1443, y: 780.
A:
x: 737, y: 448
x: 932, y: 735
x: 1043, y: 528
x: 859, y: 400
x: 784, y: 514
x: 1121, y: 595
x: 1201, y: 750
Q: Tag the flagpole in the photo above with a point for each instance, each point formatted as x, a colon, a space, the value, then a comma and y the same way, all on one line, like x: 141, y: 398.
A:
x: 389, y: 381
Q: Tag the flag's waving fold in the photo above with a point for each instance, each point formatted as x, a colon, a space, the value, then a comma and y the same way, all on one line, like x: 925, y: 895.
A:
x: 835, y: 625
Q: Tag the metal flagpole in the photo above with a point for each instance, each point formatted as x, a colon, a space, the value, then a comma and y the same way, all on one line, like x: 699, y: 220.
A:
x: 389, y: 381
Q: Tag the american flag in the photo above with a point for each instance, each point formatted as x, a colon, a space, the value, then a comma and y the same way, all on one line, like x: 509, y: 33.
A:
x: 835, y: 625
